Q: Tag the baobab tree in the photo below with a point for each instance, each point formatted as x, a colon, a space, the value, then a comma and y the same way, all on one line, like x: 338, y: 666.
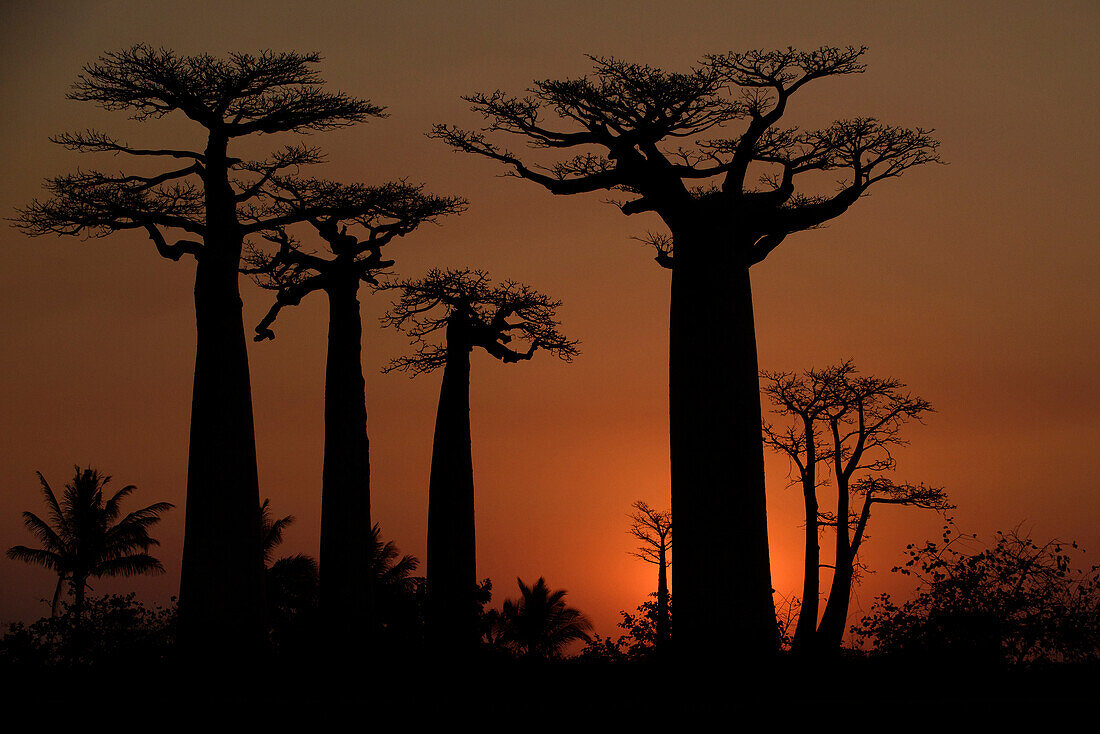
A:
x: 864, y: 422
x: 802, y: 400
x: 631, y: 127
x: 214, y: 199
x: 653, y: 531
x: 376, y: 215
x: 850, y: 423
x: 472, y: 313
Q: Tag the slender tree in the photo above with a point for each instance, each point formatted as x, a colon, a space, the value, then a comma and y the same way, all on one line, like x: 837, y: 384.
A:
x: 852, y: 423
x: 472, y: 313
x: 539, y: 624
x: 628, y: 125
x: 653, y: 531
x: 214, y: 200
x: 803, y: 399
x: 375, y: 215
x: 85, y: 535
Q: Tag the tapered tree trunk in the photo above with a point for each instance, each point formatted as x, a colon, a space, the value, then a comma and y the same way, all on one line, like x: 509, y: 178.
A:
x: 80, y: 587
x: 806, y: 632
x: 724, y: 606
x: 345, y: 583
x: 452, y: 555
x: 662, y: 603
x: 221, y: 584
x: 56, y: 595
x: 830, y: 632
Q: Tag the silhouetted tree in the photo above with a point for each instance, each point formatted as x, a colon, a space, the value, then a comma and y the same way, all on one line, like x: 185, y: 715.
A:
x: 376, y: 215
x: 214, y: 200
x: 853, y: 423
x: 653, y: 531
x: 290, y: 583
x: 1019, y: 601
x: 472, y: 313
x: 85, y: 535
x: 539, y: 625
x: 629, y: 125
x: 803, y: 399
x: 116, y: 636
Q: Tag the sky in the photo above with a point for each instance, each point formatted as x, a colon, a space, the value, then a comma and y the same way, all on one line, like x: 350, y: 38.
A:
x: 972, y: 282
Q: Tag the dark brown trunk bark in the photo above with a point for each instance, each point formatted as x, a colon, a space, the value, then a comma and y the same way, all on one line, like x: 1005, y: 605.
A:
x: 452, y: 555
x: 221, y: 583
x: 345, y: 583
x: 724, y: 606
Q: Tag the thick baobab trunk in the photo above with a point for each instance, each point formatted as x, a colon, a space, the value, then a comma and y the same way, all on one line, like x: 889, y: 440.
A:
x: 221, y: 584
x: 452, y: 555
x: 345, y: 593
x: 724, y: 606
x: 662, y: 602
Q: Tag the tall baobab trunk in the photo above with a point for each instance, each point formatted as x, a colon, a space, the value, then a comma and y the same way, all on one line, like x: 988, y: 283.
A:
x: 452, y: 555
x: 345, y: 588
x: 662, y: 602
x: 221, y: 584
x: 722, y: 568
x: 830, y: 632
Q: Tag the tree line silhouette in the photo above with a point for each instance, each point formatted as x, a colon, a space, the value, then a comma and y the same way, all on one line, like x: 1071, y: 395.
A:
x: 643, y: 133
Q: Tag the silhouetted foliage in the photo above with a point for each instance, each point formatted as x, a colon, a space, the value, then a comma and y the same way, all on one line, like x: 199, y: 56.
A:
x: 638, y: 643
x: 653, y: 531
x: 661, y: 139
x: 1019, y: 601
x: 215, y: 199
x: 837, y: 418
x: 539, y: 625
x: 290, y: 584
x: 86, y: 535
x: 113, y: 632
x: 465, y: 304
x: 473, y: 313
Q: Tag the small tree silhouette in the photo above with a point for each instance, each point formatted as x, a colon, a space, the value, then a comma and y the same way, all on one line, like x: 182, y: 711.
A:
x: 853, y: 423
x: 214, y: 199
x: 653, y: 531
x: 376, y: 215
x: 631, y: 128
x: 473, y: 314
x: 539, y: 625
x: 86, y: 535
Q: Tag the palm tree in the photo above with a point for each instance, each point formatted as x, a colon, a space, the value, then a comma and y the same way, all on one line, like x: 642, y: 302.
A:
x: 539, y: 625
x: 290, y: 583
x: 84, y: 536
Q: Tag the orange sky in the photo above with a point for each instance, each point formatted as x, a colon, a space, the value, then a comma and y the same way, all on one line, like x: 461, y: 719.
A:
x: 973, y: 282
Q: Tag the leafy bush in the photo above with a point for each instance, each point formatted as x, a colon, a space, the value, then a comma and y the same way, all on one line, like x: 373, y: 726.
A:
x: 1018, y: 601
